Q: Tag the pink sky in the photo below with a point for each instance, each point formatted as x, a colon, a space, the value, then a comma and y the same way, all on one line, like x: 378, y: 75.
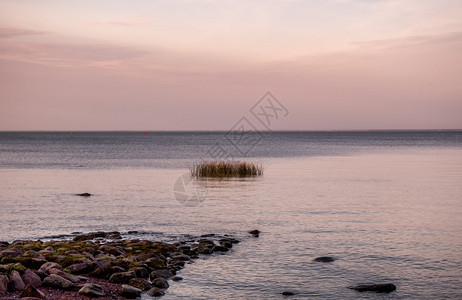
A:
x: 201, y: 64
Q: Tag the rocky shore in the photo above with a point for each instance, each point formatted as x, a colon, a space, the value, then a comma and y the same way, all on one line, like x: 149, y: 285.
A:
x: 98, y: 264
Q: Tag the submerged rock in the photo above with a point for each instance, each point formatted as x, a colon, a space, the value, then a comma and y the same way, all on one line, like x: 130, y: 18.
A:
x: 286, y: 293
x: 255, y: 232
x: 324, y: 259
x: 177, y: 278
x: 378, y: 288
x: 84, y: 195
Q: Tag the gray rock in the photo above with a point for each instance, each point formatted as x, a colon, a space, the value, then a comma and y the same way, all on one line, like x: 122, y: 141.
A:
x: 29, y: 277
x: 31, y: 291
x: 255, y: 232
x: 378, y: 288
x: 91, y: 290
x: 162, y: 273
x: 71, y: 278
x: 122, y: 277
x: 3, y: 283
x: 129, y: 291
x: 49, y: 265
x: 16, y: 283
x: 58, y: 282
x: 79, y: 268
x: 160, y: 283
x: 140, y: 283
x: 155, y: 292
x: 177, y: 278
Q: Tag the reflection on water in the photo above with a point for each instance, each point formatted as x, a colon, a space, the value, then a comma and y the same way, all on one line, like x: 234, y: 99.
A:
x: 385, y: 217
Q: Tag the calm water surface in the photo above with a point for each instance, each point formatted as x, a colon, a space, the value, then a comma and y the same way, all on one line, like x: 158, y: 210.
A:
x: 387, y: 205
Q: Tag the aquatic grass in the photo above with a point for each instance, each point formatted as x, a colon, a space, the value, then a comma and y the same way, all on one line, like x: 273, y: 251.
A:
x: 223, y: 169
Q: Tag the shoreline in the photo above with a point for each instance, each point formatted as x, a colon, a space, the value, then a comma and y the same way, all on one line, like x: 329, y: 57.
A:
x: 99, y: 264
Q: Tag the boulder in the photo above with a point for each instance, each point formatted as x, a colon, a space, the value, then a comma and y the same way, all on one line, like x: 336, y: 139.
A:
x: 15, y: 281
x: 29, y: 277
x: 83, y: 195
x: 129, y: 291
x: 45, y: 268
x: 71, y: 278
x: 140, y: 283
x: 121, y: 277
x: 160, y: 283
x: 31, y: 291
x: 177, y: 278
x: 155, y: 263
x: 3, y: 283
x: 324, y: 259
x: 12, y: 252
x: 155, y: 292
x: 162, y: 273
x: 140, y: 272
x: 80, y: 268
x: 91, y: 290
x: 58, y: 282
x: 378, y: 287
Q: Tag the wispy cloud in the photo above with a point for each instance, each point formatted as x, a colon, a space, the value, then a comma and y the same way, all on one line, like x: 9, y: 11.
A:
x: 6, y: 32
x: 68, y: 54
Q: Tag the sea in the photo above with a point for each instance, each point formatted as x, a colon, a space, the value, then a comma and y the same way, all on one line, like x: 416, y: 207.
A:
x: 387, y: 205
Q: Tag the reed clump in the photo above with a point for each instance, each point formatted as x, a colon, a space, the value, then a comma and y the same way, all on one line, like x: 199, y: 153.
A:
x: 222, y: 169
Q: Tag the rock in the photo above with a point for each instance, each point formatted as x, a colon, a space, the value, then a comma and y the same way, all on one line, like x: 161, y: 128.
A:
x: 226, y: 244
x: 45, y: 268
x: 15, y: 283
x: 31, y: 291
x: 3, y: 283
x: 160, y: 283
x: 180, y: 256
x: 58, y: 282
x: 324, y: 259
x: 155, y: 263
x: 177, y: 278
x: 29, y: 277
x: 129, y: 291
x: 12, y: 252
x: 71, y: 278
x: 204, y: 250
x: 285, y: 293
x: 255, y: 232
x: 162, y: 273
x: 33, y: 262
x: 140, y: 272
x: 378, y: 288
x: 219, y: 249
x: 91, y: 290
x: 155, y: 292
x: 30, y: 298
x: 122, y: 277
x: 84, y: 195
x: 140, y: 283
x: 80, y: 268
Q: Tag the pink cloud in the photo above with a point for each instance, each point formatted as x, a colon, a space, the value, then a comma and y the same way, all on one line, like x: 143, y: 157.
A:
x: 6, y: 32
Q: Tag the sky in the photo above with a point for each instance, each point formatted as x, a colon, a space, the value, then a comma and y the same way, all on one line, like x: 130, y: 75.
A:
x: 203, y: 64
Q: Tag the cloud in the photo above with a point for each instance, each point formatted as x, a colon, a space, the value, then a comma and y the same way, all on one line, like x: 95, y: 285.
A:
x: 68, y: 54
x: 6, y: 32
